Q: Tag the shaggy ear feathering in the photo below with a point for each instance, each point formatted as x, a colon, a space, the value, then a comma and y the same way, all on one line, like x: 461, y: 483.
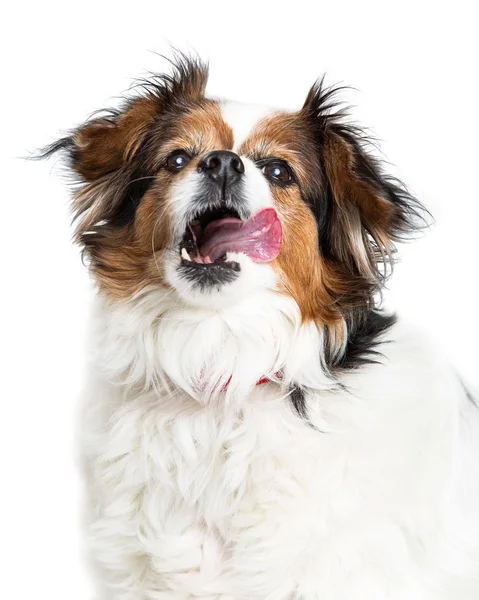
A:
x: 255, y: 426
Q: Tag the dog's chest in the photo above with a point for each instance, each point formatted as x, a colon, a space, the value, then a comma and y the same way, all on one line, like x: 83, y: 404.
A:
x: 262, y: 507
x: 203, y: 502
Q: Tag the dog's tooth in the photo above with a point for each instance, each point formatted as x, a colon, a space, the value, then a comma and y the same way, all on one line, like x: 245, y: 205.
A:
x: 185, y: 255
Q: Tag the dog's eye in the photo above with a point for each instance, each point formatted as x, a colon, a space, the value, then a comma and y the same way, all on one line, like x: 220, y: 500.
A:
x: 177, y: 161
x: 278, y: 172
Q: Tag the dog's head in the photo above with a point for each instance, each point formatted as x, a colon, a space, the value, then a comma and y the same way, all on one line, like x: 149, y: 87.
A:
x: 216, y: 200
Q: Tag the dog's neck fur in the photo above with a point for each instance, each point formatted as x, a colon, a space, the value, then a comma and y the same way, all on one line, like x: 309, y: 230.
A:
x: 156, y: 341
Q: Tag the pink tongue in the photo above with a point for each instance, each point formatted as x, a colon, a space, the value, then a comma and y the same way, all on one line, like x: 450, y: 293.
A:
x: 260, y: 237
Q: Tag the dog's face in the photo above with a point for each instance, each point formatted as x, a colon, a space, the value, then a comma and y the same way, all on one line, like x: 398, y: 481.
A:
x: 216, y: 200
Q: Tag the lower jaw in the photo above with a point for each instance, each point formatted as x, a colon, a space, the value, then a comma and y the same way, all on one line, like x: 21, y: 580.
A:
x: 209, y: 276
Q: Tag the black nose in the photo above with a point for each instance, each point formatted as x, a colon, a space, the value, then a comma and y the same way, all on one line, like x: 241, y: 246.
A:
x: 222, y: 166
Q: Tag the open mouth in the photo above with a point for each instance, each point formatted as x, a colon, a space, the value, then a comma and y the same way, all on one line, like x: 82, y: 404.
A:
x: 201, y: 246
x: 213, y: 235
x: 212, y: 240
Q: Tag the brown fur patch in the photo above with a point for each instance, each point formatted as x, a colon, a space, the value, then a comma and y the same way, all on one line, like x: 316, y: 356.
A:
x: 347, y: 187
x: 122, y: 266
x: 102, y: 145
x: 361, y: 219
x: 299, y: 261
x: 362, y: 226
x: 362, y: 209
x: 302, y: 270
x: 124, y: 260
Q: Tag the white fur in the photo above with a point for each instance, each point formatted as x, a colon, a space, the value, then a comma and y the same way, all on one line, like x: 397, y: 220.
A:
x: 197, y: 493
x: 242, y: 118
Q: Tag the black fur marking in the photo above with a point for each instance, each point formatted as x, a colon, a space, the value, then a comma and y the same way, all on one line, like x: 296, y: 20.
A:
x: 208, y: 276
x: 298, y: 402
x: 64, y: 144
x: 134, y: 192
x: 323, y: 212
x: 361, y: 349
x: 364, y: 339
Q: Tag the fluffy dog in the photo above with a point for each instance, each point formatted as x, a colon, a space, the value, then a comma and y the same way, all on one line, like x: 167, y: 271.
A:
x: 255, y: 427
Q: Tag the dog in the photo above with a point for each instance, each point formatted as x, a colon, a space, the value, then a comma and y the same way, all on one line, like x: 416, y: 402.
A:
x: 255, y: 426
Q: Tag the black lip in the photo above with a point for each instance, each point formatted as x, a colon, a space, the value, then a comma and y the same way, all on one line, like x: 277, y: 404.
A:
x: 208, y: 276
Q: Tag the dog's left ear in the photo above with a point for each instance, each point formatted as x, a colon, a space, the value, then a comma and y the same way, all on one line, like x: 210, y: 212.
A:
x: 360, y: 210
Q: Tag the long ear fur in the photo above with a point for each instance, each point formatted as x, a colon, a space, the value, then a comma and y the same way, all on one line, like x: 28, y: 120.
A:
x: 361, y: 211
x: 106, y: 154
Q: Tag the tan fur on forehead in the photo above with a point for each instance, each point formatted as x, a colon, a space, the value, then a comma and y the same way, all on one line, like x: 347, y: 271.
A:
x: 199, y: 130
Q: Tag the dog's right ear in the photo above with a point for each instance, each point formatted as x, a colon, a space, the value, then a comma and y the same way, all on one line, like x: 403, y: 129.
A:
x: 103, y: 157
x: 101, y: 146
x: 106, y: 154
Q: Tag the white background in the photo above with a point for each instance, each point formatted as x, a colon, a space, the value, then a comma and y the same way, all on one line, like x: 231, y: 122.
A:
x: 414, y: 67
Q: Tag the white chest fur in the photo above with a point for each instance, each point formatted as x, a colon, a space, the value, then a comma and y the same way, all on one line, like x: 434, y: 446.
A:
x: 196, y: 501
